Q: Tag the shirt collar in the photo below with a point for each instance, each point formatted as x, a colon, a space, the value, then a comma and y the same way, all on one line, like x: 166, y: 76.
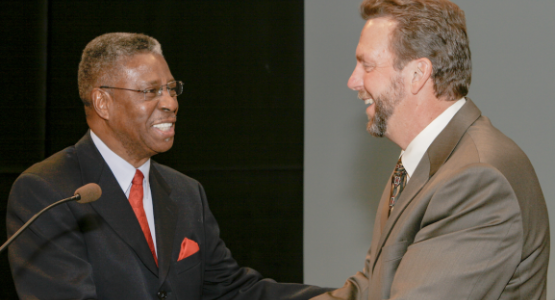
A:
x: 419, y: 145
x: 122, y: 170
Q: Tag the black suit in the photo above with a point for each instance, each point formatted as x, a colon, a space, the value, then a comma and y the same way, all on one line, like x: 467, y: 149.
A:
x: 98, y: 251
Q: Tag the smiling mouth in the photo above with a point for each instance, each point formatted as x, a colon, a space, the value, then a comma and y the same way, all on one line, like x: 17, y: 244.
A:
x: 163, y: 126
x: 364, y: 96
x: 369, y: 101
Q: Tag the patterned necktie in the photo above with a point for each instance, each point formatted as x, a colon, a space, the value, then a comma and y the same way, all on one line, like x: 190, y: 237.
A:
x: 136, y: 201
x: 398, y: 182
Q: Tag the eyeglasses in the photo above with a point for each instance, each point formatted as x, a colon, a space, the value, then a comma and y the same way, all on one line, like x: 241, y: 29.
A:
x: 174, y: 88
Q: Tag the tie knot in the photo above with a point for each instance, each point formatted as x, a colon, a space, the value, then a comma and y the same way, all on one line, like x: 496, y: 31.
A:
x: 399, y: 168
x: 138, y: 178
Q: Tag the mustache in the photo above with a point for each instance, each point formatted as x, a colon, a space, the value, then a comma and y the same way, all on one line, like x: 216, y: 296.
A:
x: 363, y: 95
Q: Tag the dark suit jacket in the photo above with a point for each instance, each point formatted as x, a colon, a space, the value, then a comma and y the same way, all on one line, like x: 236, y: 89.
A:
x: 98, y: 251
x: 471, y: 224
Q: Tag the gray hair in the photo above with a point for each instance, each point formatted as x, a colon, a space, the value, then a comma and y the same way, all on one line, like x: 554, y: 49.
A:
x: 98, y: 62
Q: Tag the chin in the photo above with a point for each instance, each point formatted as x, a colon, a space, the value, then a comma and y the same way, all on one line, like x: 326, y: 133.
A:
x: 163, y: 147
x: 166, y: 148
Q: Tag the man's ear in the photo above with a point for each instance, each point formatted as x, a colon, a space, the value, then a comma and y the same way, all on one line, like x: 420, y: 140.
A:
x: 101, y: 101
x: 421, y: 70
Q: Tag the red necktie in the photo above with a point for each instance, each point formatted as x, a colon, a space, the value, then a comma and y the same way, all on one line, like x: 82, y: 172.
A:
x: 136, y: 201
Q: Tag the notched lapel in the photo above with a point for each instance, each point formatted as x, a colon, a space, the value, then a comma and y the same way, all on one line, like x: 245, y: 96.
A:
x: 165, y: 218
x: 113, y: 206
x: 436, y: 155
x: 379, y: 225
x: 414, y: 186
x: 115, y: 209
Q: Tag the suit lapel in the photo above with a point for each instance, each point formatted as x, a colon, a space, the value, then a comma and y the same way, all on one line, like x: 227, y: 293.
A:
x: 415, y: 184
x: 436, y: 155
x: 442, y: 147
x: 113, y: 205
x: 379, y: 224
x: 165, y: 218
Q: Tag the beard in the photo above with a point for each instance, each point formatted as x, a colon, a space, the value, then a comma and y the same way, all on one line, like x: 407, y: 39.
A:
x: 385, y: 105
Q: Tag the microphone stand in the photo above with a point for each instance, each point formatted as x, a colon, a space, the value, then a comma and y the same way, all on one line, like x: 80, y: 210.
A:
x: 10, y: 240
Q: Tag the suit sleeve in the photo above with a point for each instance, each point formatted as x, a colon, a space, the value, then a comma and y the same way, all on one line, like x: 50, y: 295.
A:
x: 224, y: 279
x: 467, y: 244
x: 49, y: 259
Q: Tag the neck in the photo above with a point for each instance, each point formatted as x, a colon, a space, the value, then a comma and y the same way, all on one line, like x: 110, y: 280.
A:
x: 413, y: 116
x: 115, y: 144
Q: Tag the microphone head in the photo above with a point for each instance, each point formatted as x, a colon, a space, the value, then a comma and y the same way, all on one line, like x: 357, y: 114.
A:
x: 89, y: 192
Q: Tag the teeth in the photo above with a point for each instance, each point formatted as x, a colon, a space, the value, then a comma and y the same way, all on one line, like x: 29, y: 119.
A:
x: 369, y: 101
x: 163, y: 126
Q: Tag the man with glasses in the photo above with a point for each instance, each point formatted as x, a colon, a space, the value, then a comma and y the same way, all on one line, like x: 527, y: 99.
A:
x: 151, y: 234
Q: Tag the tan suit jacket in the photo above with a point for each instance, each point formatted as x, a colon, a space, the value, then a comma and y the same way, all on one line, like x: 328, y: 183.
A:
x: 471, y: 224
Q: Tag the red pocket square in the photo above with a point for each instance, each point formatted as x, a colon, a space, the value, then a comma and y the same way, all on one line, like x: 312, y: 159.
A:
x: 188, y: 248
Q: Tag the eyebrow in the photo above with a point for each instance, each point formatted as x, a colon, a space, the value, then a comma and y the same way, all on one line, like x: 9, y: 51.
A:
x: 366, y: 63
x: 154, y: 82
x: 359, y: 57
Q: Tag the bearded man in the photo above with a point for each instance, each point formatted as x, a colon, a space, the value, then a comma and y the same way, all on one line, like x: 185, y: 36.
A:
x: 463, y: 215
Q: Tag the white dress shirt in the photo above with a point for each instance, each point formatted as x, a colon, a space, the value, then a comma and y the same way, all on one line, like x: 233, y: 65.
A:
x: 419, y: 145
x: 124, y: 173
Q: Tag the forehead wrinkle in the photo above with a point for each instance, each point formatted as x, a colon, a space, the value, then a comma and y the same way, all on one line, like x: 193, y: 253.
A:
x: 142, y: 69
x: 375, y: 40
x: 145, y: 70
x: 365, y: 53
x: 372, y: 56
x: 136, y: 73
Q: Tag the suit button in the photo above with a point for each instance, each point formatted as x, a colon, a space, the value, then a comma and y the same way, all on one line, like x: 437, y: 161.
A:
x: 162, y: 295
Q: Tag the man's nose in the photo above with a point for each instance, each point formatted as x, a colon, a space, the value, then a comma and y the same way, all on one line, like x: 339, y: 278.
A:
x: 355, y: 81
x: 167, y: 102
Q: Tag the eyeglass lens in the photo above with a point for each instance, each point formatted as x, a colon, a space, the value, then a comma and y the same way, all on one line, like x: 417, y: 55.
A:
x: 175, y: 88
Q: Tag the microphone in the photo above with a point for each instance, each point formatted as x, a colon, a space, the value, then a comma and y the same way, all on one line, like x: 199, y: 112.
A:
x: 88, y: 193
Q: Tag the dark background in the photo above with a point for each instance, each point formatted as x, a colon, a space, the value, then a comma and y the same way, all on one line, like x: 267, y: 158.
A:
x: 240, y: 121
